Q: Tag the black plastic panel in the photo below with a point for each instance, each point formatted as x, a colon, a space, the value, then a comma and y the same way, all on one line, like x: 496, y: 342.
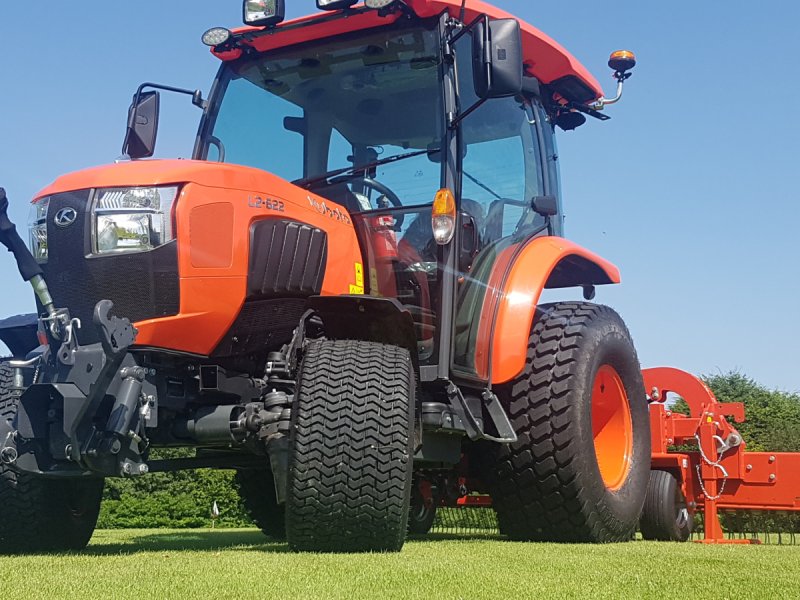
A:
x: 262, y: 325
x: 287, y: 259
x: 19, y: 333
x: 141, y: 285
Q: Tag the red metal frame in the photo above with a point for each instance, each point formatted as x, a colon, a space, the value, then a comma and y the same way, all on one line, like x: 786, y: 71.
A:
x: 721, y: 475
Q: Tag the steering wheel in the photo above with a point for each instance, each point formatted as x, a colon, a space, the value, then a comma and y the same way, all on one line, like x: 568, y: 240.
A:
x: 389, y: 195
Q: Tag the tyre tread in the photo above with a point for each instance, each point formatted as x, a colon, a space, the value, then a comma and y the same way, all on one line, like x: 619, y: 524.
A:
x: 350, y: 453
x: 539, y: 489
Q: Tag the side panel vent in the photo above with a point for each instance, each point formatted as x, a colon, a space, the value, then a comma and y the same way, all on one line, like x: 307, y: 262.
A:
x: 287, y: 259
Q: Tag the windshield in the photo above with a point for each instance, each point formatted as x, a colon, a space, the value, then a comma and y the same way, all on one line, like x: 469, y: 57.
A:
x: 311, y: 113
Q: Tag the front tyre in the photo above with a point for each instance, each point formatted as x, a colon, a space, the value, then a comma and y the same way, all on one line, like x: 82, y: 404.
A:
x: 350, y: 448
x: 257, y: 491
x: 42, y: 515
x: 579, y: 470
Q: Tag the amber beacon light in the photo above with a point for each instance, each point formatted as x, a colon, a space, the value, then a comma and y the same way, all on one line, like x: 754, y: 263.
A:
x: 622, y: 60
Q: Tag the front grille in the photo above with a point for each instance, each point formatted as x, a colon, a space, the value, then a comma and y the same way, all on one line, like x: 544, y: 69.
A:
x: 143, y: 285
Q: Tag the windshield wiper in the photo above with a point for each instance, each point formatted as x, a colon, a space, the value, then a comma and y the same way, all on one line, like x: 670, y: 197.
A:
x: 353, y: 170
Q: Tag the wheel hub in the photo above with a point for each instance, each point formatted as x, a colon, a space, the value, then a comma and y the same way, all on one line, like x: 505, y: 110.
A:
x: 611, y: 427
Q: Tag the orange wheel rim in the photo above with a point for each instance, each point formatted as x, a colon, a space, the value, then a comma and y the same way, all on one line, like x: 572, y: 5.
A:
x: 611, y: 427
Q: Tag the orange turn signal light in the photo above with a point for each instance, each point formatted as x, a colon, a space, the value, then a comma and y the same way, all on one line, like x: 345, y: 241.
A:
x: 622, y: 60
x: 443, y: 216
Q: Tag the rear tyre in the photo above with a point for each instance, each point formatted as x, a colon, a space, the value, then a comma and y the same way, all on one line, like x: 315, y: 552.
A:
x: 665, y: 516
x: 350, y: 449
x: 579, y: 470
x: 257, y: 491
x: 42, y: 515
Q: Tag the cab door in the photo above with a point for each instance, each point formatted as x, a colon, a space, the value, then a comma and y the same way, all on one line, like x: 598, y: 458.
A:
x: 502, y: 170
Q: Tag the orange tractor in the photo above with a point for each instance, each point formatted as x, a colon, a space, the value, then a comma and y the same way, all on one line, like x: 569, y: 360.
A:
x: 338, y: 296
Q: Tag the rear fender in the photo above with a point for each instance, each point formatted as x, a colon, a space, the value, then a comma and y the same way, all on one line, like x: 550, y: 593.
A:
x: 543, y: 263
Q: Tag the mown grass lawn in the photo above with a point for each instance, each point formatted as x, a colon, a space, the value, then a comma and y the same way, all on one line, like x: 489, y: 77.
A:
x: 243, y: 564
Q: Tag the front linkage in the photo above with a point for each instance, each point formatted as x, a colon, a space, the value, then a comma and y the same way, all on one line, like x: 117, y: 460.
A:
x: 86, y: 410
x: 57, y: 430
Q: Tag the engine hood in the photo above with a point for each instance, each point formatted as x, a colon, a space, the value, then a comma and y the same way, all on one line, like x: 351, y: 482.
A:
x: 162, y: 172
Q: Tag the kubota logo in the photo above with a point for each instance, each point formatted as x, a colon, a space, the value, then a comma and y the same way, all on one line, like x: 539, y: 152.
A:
x: 65, y: 217
x: 333, y: 213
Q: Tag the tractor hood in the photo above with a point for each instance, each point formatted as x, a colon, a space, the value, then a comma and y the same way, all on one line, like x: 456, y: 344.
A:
x: 163, y: 172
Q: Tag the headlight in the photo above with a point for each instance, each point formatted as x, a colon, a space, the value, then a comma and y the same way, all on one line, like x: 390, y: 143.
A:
x: 132, y: 219
x: 378, y: 3
x: 37, y: 229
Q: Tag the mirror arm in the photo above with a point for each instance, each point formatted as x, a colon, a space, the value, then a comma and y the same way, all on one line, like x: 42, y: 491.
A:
x: 197, y: 95
x: 454, y: 121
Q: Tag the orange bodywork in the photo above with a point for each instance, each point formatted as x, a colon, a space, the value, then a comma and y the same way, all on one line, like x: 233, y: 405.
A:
x: 514, y: 291
x: 216, y: 207
x: 544, y: 58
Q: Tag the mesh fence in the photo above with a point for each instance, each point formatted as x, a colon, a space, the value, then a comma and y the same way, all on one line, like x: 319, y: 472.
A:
x: 466, y: 521
x: 767, y: 527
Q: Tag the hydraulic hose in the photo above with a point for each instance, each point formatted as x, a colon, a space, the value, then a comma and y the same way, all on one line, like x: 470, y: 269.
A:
x: 29, y: 269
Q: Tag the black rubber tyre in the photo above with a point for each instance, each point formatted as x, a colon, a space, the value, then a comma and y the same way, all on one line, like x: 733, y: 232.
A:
x: 665, y: 516
x: 257, y: 491
x: 42, y: 515
x: 548, y: 486
x: 350, y: 448
x: 421, y: 515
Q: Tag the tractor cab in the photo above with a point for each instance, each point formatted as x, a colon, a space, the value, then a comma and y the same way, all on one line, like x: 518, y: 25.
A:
x: 430, y: 129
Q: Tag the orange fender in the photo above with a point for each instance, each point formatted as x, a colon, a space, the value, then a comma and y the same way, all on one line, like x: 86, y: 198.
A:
x: 545, y: 262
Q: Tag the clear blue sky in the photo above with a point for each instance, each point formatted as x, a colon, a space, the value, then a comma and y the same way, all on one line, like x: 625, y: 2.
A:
x: 692, y: 188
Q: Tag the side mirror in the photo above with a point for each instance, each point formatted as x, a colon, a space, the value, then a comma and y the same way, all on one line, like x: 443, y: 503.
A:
x: 497, y: 58
x: 547, y: 206
x: 140, y: 139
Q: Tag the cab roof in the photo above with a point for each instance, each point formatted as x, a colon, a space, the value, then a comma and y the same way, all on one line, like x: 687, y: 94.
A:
x: 545, y: 58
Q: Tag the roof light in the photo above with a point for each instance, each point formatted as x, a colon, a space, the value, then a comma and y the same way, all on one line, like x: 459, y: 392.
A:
x: 334, y: 4
x: 379, y: 3
x: 216, y: 36
x: 264, y: 13
x: 443, y: 216
x: 622, y: 60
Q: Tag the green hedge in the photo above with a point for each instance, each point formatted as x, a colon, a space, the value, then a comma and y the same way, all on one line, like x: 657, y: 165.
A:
x: 176, y: 500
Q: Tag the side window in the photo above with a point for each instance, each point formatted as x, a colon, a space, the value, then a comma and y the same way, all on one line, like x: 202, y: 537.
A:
x: 501, y: 166
x: 499, y: 174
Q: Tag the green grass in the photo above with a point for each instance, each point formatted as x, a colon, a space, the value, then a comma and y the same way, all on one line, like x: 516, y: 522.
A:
x: 243, y: 564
